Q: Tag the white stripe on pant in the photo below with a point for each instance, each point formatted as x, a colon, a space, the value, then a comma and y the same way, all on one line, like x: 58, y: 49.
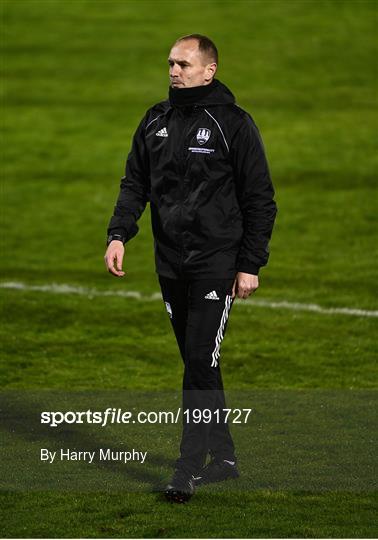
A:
x: 219, y: 337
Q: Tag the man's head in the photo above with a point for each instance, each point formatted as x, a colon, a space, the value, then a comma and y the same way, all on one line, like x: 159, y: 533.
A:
x: 192, y: 61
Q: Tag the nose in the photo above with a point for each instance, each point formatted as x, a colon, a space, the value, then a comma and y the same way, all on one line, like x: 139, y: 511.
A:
x: 174, y: 70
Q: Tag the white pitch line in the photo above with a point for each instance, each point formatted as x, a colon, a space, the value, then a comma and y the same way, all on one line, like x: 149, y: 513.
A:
x: 61, y: 288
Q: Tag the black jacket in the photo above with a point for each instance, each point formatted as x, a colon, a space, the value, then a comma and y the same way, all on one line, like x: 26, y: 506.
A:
x: 199, y: 160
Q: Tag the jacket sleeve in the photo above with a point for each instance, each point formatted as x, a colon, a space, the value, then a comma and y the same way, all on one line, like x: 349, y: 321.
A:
x: 255, y: 194
x: 134, y: 189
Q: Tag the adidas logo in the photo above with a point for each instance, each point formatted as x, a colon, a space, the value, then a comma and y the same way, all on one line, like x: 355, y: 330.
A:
x: 212, y: 296
x: 162, y: 133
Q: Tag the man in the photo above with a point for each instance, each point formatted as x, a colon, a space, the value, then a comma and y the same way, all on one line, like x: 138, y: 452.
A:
x: 199, y: 160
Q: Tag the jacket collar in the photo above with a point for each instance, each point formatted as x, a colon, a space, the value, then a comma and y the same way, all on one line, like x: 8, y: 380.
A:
x: 214, y: 93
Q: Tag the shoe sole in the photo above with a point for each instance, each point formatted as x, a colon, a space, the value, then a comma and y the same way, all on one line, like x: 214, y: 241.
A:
x: 177, y: 497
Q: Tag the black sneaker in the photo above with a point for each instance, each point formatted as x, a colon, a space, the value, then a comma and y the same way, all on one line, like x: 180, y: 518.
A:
x: 180, y: 488
x: 216, y: 471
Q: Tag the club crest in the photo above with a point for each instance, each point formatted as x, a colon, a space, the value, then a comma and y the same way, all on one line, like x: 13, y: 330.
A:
x: 203, y: 135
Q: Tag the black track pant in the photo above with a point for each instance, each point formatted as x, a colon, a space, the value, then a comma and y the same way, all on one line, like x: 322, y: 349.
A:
x: 199, y: 310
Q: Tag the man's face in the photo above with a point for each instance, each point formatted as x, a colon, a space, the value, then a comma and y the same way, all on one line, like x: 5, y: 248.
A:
x: 188, y: 67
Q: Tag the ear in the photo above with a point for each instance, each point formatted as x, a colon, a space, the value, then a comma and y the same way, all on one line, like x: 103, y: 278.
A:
x: 210, y: 71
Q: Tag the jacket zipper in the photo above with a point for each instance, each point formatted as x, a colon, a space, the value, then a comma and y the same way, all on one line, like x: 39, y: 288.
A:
x: 182, y: 156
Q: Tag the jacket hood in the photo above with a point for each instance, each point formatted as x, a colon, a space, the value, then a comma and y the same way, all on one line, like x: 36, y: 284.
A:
x: 215, y: 93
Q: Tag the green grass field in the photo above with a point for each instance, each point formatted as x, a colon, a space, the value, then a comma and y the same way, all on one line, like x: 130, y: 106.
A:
x: 78, y: 76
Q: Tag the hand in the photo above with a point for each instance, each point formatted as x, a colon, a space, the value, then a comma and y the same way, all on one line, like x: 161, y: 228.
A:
x: 244, y: 285
x: 114, y: 257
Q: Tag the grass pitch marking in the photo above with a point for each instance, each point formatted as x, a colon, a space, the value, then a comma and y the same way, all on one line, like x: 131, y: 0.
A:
x: 62, y: 288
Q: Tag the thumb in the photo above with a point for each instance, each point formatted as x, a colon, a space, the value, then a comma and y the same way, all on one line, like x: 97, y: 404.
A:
x: 234, y: 288
x: 119, y: 261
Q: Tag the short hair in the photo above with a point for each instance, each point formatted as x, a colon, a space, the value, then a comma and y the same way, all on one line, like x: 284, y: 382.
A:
x: 205, y: 45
